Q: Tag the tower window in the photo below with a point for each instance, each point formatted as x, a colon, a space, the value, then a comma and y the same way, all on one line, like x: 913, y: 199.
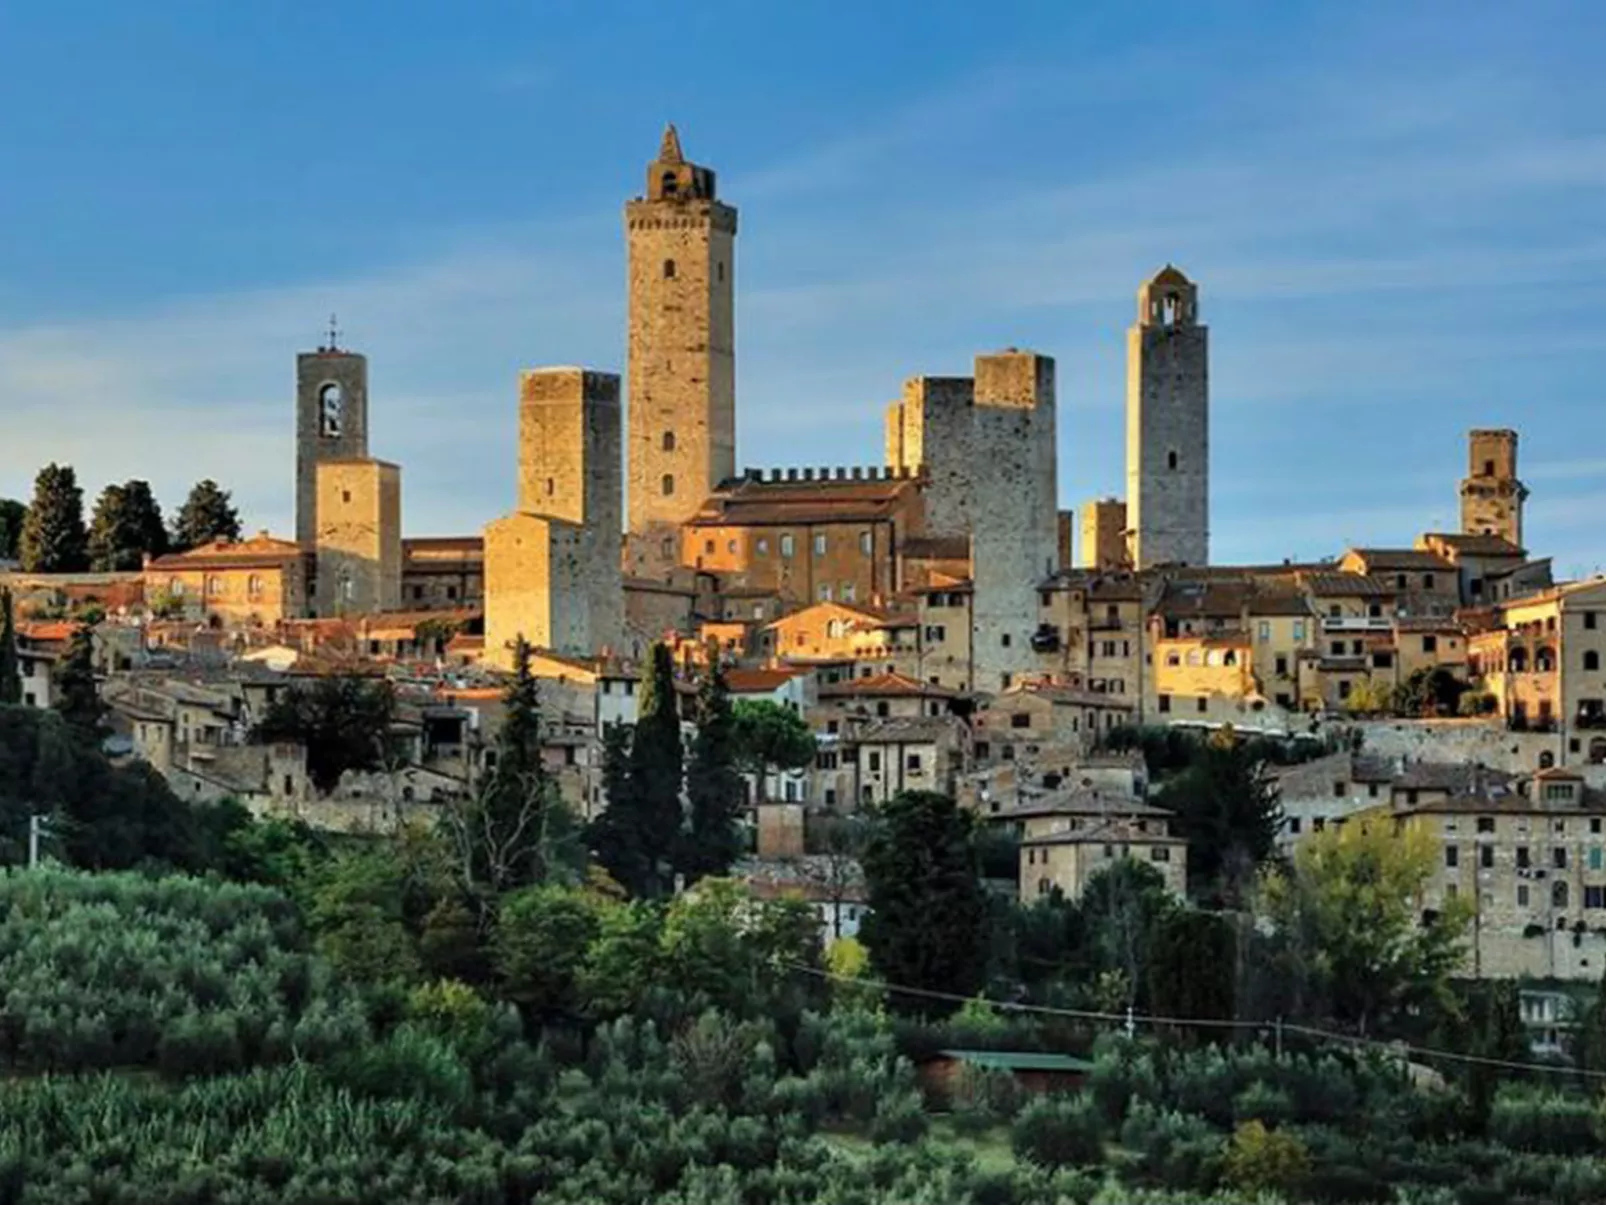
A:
x: 551, y: 487
x: 669, y: 441
x: 345, y: 495
x: 669, y: 484
x: 669, y: 184
x: 1488, y: 468
x: 669, y: 269
x: 720, y: 272
x: 1171, y: 460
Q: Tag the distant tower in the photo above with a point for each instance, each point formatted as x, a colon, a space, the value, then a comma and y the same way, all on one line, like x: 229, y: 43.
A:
x: 1491, y: 494
x: 1168, y: 426
x: 331, y: 422
x: 1104, y: 535
x: 682, y: 358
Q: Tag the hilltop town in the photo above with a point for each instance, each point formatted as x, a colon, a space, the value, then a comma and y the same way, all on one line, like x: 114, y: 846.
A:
x: 929, y: 612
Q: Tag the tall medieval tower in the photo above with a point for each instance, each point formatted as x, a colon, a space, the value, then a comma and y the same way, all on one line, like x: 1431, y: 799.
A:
x: 682, y: 357
x: 331, y: 422
x: 1491, y: 494
x: 1168, y: 426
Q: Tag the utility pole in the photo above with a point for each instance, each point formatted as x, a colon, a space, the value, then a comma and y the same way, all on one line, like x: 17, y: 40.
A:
x: 36, y: 828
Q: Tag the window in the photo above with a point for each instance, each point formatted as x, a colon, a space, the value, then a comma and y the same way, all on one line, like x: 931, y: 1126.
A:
x: 1594, y: 857
x: 214, y: 585
x: 1343, y: 690
x: 786, y: 545
x: 668, y: 443
x: 719, y: 273
x: 1589, y: 620
x: 1171, y: 460
x: 824, y: 591
x: 1591, y: 659
x: 1293, y: 825
x: 1338, y: 790
x: 1382, y: 660
x: 866, y: 542
x: 345, y: 495
x: 1486, y: 856
x: 1486, y: 824
x: 1159, y: 853
x: 451, y: 593
x: 1318, y: 825
x: 1558, y: 857
x: 1282, y: 667
x: 1265, y: 629
x: 819, y: 545
x: 1595, y: 897
x: 1558, y: 897
x: 1165, y: 702
x: 761, y: 546
x: 912, y: 763
x: 669, y: 269
x: 1522, y: 857
x: 1299, y: 629
x: 1204, y: 703
x: 668, y: 484
x: 849, y: 592
x: 1430, y: 644
x: 1522, y: 895
x: 253, y: 585
x: 1003, y: 640
x: 875, y: 761
x: 1020, y: 719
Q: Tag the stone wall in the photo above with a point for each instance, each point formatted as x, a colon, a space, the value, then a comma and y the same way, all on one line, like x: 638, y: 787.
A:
x: 931, y: 429
x: 359, y: 551
x: 1486, y: 742
x: 1104, y: 544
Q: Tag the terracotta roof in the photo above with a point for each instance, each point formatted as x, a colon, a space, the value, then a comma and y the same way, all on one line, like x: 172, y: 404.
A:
x: 48, y: 631
x: 965, y: 587
x: 1475, y: 543
x: 1069, y: 695
x: 1217, y: 600
x: 884, y: 684
x: 745, y: 502
x: 1082, y: 802
x: 1338, y: 584
x: 258, y: 552
x: 759, y: 681
x: 908, y: 731
x: 1427, y: 623
x: 1278, y: 603
x: 1394, y: 559
x: 1114, y: 830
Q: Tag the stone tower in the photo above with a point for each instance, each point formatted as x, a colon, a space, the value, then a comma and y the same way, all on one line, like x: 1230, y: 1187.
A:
x: 1014, y: 509
x: 929, y: 431
x: 682, y: 355
x: 359, y: 547
x: 552, y: 568
x: 1491, y: 494
x: 1104, y: 544
x: 1168, y: 426
x: 331, y: 423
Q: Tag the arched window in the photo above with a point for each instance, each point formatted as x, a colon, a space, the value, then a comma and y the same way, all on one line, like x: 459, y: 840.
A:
x: 1170, y: 460
x: 669, y: 269
x: 253, y: 585
x: 669, y: 441
x: 175, y: 587
x: 670, y: 184
x: 1591, y: 659
x: 1546, y: 759
x: 214, y: 585
x: 668, y: 484
x: 1558, y: 894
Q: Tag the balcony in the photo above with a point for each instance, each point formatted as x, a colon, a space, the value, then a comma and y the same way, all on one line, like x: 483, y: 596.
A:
x: 1357, y: 623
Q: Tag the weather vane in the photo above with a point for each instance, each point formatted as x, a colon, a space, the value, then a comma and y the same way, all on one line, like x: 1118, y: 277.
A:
x: 334, y: 334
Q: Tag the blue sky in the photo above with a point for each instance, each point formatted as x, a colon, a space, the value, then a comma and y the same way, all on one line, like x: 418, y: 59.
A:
x: 1396, y: 214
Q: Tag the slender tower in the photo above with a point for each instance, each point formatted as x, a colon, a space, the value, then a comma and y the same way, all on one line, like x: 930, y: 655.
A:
x: 1168, y: 426
x: 1491, y: 493
x: 331, y: 422
x: 682, y: 358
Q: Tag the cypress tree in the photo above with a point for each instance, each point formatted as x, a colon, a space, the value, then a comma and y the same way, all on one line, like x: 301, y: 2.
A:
x: 53, y: 535
x: 713, y: 786
x: 77, y: 697
x: 10, y: 677
x: 127, y: 524
x: 638, y: 836
x: 207, y: 515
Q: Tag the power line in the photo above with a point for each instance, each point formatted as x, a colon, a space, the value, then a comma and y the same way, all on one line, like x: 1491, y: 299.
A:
x: 1131, y: 1018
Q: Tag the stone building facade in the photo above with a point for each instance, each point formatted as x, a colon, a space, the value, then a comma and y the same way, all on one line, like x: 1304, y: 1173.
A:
x: 1168, y: 426
x: 1491, y: 493
x: 331, y: 423
x: 248, y: 583
x: 1104, y: 541
x: 552, y: 567
x: 358, y: 558
x: 682, y: 352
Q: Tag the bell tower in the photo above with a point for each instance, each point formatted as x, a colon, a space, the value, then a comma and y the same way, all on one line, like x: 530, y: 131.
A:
x: 1491, y: 493
x: 331, y: 421
x: 682, y: 354
x: 1168, y: 426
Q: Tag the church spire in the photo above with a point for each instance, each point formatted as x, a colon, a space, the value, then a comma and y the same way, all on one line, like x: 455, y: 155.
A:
x: 669, y: 149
